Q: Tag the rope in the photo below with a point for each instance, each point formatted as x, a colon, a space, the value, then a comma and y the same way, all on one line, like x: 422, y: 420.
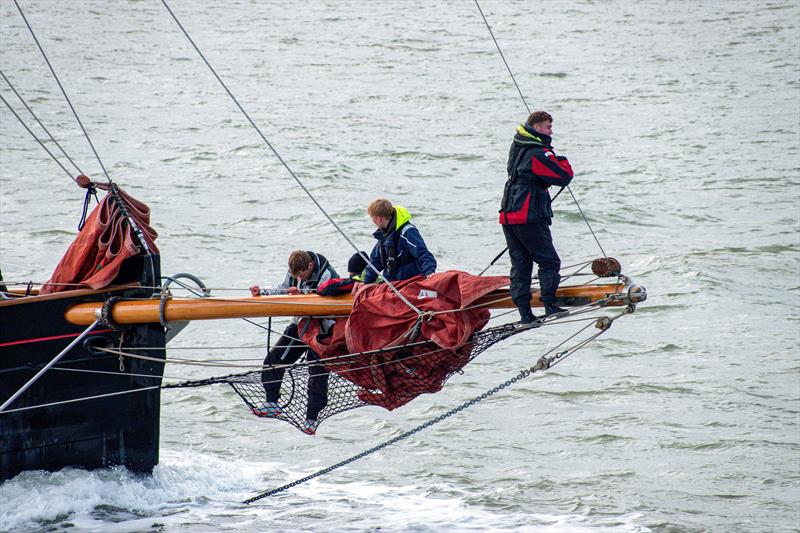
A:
x: 121, y: 204
x: 529, y: 111
x: 63, y: 92
x: 52, y: 362
x: 40, y: 124
x: 284, y: 163
x: 503, y: 57
x: 48, y: 153
x: 129, y: 391
x: 587, y: 221
x: 542, y: 363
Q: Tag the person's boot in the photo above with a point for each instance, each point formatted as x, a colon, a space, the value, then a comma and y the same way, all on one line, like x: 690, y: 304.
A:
x: 553, y: 309
x: 526, y: 316
x: 268, y: 410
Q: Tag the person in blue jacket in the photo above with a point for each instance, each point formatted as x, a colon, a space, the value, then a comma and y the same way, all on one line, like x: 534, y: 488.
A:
x: 400, y: 252
x: 526, y: 214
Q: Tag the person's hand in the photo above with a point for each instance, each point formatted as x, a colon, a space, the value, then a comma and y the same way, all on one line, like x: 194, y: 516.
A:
x: 292, y: 290
x: 255, y: 290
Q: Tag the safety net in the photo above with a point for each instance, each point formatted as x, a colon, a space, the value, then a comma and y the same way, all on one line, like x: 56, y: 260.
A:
x: 387, y: 352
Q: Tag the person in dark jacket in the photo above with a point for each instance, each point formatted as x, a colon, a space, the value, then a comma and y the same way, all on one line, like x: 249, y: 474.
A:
x: 526, y: 214
x: 355, y: 274
x: 357, y: 265
x: 400, y: 252
x: 307, y: 270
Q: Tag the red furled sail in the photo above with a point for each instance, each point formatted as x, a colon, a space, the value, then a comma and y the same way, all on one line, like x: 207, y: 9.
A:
x: 107, y: 239
x: 380, y: 319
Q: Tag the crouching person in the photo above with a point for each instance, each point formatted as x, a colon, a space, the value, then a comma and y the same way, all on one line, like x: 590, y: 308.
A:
x: 307, y: 270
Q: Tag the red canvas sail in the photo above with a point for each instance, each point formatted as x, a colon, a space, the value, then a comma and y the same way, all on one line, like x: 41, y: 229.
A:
x: 380, y: 319
x: 107, y: 239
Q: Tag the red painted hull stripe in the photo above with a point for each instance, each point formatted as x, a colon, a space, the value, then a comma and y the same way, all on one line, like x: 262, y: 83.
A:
x: 55, y: 337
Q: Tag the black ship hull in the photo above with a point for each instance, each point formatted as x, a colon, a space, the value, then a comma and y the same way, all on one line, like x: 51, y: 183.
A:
x: 81, y: 411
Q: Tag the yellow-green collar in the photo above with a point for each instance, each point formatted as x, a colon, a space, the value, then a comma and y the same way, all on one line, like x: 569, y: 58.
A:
x: 402, y: 216
x: 525, y: 133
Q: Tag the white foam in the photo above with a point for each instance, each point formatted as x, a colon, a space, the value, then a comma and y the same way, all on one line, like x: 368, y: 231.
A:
x: 195, y: 490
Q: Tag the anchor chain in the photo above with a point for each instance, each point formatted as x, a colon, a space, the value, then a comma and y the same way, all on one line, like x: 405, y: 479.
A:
x: 544, y: 362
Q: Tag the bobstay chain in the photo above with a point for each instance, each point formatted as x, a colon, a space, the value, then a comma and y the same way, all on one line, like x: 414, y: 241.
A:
x: 544, y: 362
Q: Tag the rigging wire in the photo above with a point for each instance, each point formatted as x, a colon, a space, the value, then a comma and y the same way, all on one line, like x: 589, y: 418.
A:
x: 227, y: 378
x: 40, y: 123
x: 51, y: 154
x: 503, y: 57
x: 486, y: 22
x: 121, y: 204
x: 285, y: 164
x: 63, y: 92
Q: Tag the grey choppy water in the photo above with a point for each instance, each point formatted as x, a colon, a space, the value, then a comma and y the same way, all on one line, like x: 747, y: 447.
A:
x: 682, y: 123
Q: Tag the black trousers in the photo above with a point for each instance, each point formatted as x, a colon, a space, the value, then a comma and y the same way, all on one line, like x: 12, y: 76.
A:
x: 529, y: 243
x: 285, y: 352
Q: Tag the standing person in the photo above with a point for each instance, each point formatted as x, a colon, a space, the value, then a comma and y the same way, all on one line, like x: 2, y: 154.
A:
x: 400, y: 252
x: 306, y: 271
x: 526, y: 214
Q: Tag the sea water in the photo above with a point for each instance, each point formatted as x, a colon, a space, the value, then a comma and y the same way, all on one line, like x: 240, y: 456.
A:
x: 681, y: 122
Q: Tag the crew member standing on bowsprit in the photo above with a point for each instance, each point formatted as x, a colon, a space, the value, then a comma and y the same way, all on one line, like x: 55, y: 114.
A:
x: 526, y: 214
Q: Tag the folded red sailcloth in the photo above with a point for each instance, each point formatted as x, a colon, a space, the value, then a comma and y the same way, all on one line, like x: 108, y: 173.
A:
x: 381, y: 320
x: 107, y: 239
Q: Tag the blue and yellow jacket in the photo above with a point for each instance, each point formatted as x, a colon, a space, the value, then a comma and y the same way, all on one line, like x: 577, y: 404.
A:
x: 400, y: 252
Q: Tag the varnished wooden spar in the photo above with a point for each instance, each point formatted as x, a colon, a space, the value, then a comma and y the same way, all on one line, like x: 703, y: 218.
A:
x: 179, y: 309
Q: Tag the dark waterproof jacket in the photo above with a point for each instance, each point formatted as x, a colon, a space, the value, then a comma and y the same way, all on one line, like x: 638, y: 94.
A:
x: 323, y: 271
x: 400, y: 252
x: 532, y: 167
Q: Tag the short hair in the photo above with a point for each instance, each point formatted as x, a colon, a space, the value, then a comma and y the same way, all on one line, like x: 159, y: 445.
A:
x: 539, y: 116
x: 298, y: 261
x: 380, y: 207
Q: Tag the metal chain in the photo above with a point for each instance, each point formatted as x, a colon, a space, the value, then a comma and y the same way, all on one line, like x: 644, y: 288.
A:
x: 542, y: 363
x: 523, y: 374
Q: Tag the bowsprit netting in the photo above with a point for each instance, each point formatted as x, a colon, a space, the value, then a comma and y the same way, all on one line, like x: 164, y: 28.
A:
x: 389, y: 378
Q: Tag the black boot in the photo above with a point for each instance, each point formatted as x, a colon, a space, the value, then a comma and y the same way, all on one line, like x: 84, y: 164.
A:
x: 553, y: 309
x: 526, y: 316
